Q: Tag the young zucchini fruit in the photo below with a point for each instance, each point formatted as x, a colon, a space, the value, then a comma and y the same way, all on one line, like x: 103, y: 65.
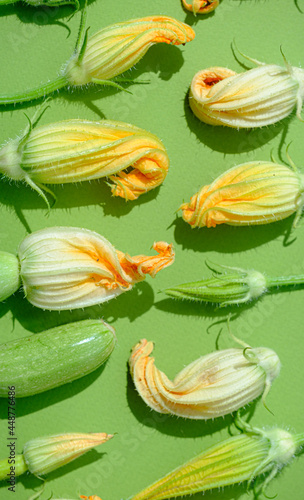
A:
x: 52, y: 358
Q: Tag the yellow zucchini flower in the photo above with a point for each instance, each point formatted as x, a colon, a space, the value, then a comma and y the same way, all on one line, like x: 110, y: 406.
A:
x: 244, y: 457
x: 81, y: 150
x: 200, y: 6
x: 212, y: 386
x: 42, y: 455
x: 252, y: 193
x: 108, y: 53
x: 67, y: 268
x: 115, y: 49
x: 255, y: 98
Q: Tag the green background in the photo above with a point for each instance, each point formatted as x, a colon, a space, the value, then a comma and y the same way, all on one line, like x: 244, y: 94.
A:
x: 34, y: 45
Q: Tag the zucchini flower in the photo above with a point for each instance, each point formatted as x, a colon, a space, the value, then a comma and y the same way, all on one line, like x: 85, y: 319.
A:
x: 68, y: 268
x: 240, y: 458
x: 43, y: 455
x: 232, y: 285
x: 108, y: 53
x: 252, y: 193
x: 212, y: 386
x: 82, y: 150
x: 255, y: 98
x: 200, y: 6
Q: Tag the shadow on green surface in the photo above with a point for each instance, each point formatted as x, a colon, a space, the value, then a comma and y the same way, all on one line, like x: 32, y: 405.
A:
x: 20, y: 197
x: 234, y: 141
x: 178, y: 426
x: 162, y: 60
x: 41, y: 15
x: 30, y: 482
x: 204, y: 309
x: 231, y: 239
x: 36, y: 320
x: 32, y: 404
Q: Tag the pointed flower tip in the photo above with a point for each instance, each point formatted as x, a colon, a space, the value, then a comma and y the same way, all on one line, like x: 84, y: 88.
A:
x: 43, y: 455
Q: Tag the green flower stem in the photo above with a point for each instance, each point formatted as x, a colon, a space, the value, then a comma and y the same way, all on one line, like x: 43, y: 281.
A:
x: 7, y: 2
x: 284, y: 281
x: 20, y: 467
x: 35, y: 93
x: 299, y: 440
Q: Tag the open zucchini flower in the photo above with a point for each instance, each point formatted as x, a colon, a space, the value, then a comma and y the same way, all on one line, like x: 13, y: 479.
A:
x: 200, y: 6
x: 255, y: 98
x: 212, y: 386
x: 255, y: 452
x: 108, y: 53
x: 252, y: 193
x: 67, y: 268
x: 81, y: 150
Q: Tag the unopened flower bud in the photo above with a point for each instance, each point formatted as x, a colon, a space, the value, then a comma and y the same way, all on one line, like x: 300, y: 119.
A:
x: 240, y: 458
x: 43, y: 455
x: 227, y: 286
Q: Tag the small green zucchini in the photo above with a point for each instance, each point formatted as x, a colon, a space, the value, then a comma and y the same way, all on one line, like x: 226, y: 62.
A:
x: 55, y: 357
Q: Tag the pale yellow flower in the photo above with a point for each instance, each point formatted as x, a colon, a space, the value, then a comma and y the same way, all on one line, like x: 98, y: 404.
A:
x: 115, y: 49
x: 255, y: 98
x: 67, y: 268
x: 43, y: 455
x: 212, y: 386
x: 81, y: 150
x: 252, y: 193
x: 256, y: 452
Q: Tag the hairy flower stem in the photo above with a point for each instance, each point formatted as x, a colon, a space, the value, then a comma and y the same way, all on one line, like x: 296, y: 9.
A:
x: 36, y: 93
x: 281, y: 281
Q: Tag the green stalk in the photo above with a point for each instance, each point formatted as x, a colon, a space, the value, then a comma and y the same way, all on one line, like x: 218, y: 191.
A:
x: 7, y: 2
x: 20, y: 467
x: 285, y: 281
x: 35, y: 93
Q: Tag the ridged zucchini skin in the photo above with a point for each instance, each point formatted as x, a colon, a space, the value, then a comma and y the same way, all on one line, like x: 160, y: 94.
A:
x: 55, y: 357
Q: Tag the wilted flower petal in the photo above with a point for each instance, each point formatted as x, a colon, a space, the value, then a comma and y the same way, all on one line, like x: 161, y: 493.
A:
x: 251, y: 193
x: 212, y: 386
x: 255, y: 98
x: 81, y: 150
x: 115, y: 49
x: 68, y: 268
